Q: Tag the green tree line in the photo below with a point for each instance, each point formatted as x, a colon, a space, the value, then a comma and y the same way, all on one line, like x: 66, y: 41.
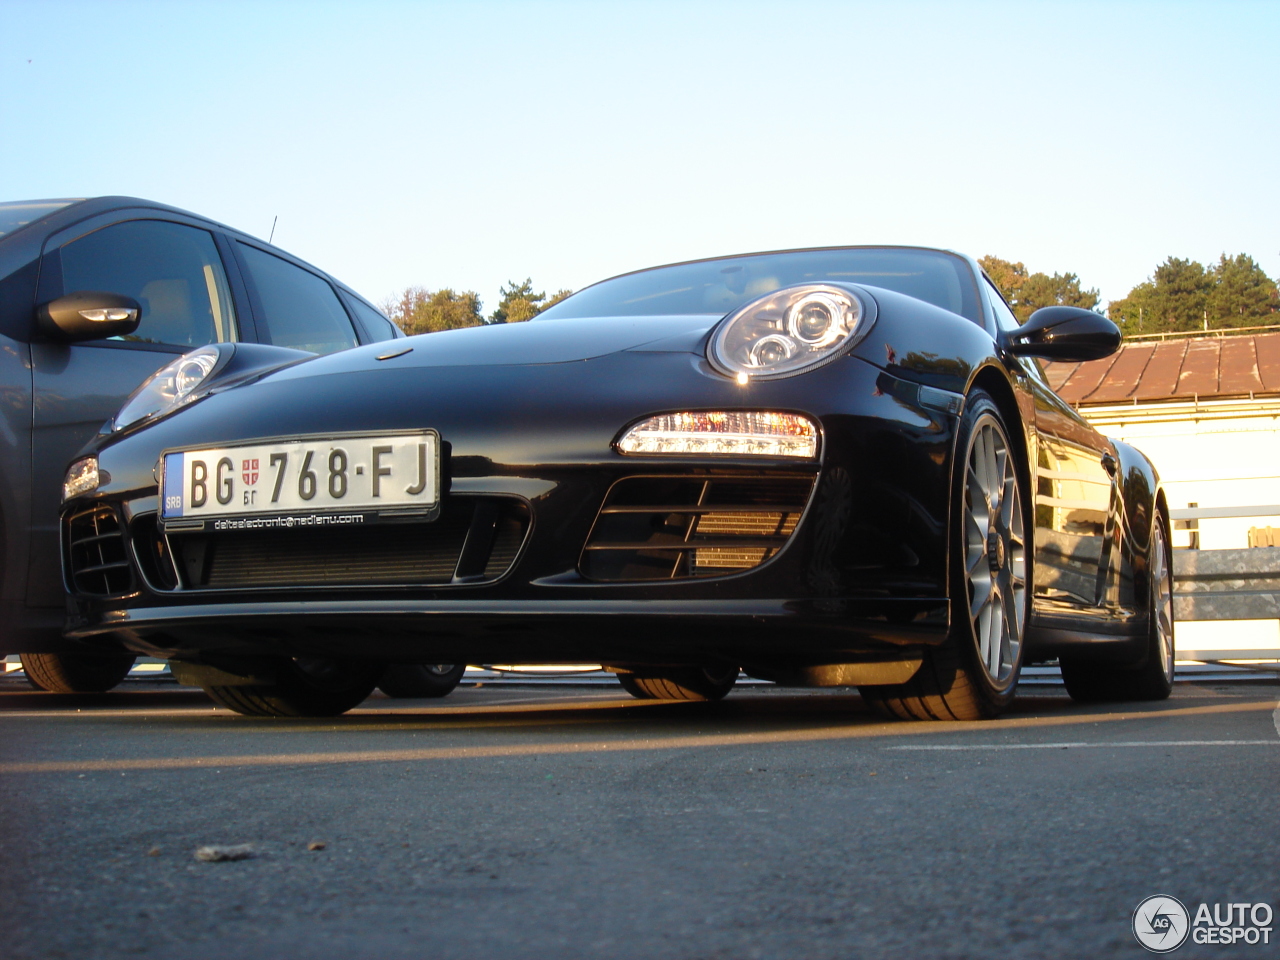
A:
x: 1027, y: 292
x: 1180, y: 295
x: 1186, y: 295
x: 419, y: 310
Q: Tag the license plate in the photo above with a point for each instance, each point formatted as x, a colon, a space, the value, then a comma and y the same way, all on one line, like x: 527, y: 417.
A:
x: 298, y: 479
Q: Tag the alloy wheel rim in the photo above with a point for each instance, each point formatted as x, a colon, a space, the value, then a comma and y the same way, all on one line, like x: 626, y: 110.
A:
x: 719, y: 677
x: 1162, y: 584
x: 324, y: 673
x: 995, y: 558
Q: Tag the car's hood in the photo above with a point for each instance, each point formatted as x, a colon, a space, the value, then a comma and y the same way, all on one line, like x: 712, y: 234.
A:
x: 532, y: 342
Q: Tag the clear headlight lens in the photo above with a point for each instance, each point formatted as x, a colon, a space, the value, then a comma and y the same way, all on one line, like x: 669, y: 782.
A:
x: 789, y: 331
x: 82, y: 478
x: 726, y: 433
x: 168, y: 388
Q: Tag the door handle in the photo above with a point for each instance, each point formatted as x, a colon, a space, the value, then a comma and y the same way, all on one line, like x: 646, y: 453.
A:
x: 1109, y: 464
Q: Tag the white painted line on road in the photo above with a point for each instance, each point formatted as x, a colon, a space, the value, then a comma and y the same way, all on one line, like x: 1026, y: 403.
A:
x: 1073, y: 745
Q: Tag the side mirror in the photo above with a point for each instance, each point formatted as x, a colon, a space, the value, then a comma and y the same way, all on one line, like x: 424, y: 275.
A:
x: 1064, y: 333
x: 89, y: 315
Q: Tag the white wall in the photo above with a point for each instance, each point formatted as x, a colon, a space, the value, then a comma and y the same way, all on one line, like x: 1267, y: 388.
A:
x: 1222, y: 454
x: 1216, y: 454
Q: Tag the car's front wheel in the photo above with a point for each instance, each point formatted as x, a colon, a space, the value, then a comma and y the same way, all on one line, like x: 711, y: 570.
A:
x: 684, y: 683
x: 301, y: 687
x: 413, y: 680
x: 974, y: 674
x: 1153, y: 678
x: 76, y: 672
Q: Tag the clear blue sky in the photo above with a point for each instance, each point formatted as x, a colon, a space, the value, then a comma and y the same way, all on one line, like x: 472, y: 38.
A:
x: 465, y: 144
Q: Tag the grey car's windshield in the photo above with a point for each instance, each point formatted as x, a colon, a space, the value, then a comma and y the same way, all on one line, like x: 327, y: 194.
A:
x: 718, y: 286
x: 19, y: 213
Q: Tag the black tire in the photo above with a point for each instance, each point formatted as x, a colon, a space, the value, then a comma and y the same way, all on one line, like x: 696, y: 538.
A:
x: 304, y: 687
x: 76, y: 672
x: 973, y: 675
x: 685, y: 683
x: 416, y: 680
x: 1153, y: 678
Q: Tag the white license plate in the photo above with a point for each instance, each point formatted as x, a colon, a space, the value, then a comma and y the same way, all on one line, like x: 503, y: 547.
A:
x: 301, y: 478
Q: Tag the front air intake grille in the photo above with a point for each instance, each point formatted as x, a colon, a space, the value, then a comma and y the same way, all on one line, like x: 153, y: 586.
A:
x: 151, y: 550
x: 474, y: 540
x: 97, y: 558
x: 672, y: 528
x: 508, y: 537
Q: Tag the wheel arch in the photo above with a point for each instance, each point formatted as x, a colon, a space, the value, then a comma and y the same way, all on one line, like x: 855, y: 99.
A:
x: 1142, y: 494
x: 1143, y: 500
x: 994, y: 381
x: 1162, y: 504
x: 1160, y: 513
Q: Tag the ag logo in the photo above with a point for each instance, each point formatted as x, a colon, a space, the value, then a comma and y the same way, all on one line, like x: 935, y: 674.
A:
x: 1161, y: 924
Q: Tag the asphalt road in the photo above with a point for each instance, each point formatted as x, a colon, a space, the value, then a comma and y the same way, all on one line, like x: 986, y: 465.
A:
x: 575, y: 822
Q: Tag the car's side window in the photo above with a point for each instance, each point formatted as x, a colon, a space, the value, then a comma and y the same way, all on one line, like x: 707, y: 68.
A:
x: 1005, y: 319
x: 300, y: 309
x: 378, y: 326
x: 172, y: 270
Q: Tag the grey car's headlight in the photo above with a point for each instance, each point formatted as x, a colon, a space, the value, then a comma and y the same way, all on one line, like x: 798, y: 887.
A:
x: 790, y: 330
x: 169, y: 388
x: 82, y: 477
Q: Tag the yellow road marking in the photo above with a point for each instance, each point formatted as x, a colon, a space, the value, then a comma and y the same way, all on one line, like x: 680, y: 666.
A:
x: 856, y: 730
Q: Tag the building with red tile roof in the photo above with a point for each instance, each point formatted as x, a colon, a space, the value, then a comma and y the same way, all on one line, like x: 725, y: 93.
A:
x: 1176, y: 367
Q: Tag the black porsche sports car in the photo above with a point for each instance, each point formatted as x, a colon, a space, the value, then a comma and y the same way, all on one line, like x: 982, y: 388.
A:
x: 828, y: 467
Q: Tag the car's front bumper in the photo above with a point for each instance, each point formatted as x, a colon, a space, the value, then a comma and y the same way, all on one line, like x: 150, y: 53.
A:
x: 567, y: 630
x: 860, y: 576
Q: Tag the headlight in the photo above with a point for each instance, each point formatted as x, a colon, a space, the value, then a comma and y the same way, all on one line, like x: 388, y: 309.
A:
x: 82, y: 478
x: 790, y: 330
x: 168, y: 388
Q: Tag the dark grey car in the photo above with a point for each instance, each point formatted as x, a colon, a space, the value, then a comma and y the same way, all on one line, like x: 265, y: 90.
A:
x: 189, y: 282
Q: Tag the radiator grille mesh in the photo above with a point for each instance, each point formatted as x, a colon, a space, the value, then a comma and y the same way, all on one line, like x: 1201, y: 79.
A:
x: 376, y: 554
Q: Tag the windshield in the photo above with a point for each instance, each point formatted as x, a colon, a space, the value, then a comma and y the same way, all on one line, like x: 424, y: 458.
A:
x: 718, y: 286
x: 19, y: 213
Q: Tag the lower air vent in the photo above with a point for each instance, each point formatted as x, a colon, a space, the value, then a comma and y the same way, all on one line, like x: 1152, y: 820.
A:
x: 671, y: 528
x: 97, y: 561
x: 508, y: 536
x: 474, y: 540
x: 151, y: 550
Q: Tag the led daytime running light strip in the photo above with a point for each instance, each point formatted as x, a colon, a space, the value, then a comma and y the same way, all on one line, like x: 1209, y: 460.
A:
x: 723, y: 433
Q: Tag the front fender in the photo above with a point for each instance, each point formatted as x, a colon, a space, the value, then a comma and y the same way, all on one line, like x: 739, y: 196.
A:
x: 916, y: 341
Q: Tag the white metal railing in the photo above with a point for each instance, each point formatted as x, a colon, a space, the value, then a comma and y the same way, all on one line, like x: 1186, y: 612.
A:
x: 1221, y: 513
x: 1218, y: 332
x: 1233, y: 584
